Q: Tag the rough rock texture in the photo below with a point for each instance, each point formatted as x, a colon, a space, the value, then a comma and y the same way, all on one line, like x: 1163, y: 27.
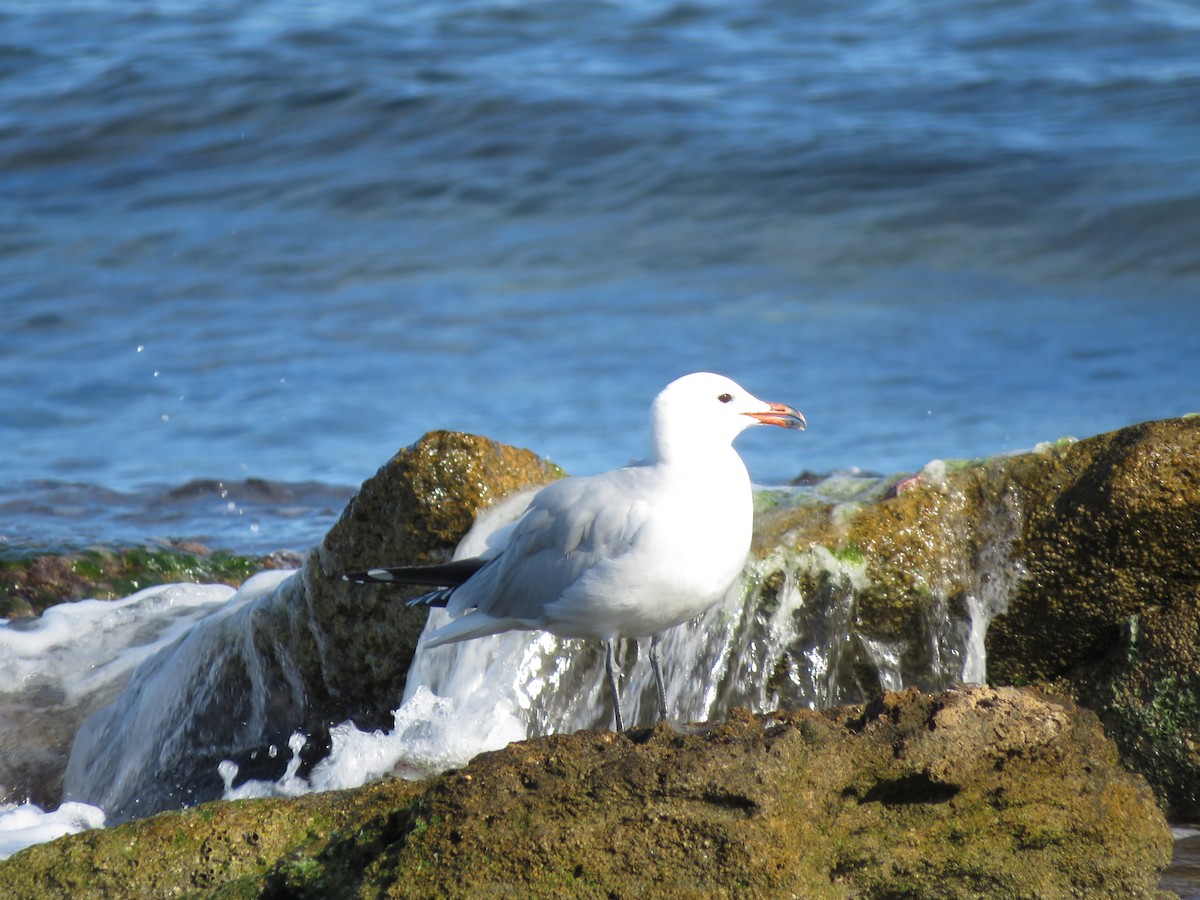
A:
x: 311, y: 654
x: 1109, y: 610
x: 1091, y: 550
x: 973, y: 793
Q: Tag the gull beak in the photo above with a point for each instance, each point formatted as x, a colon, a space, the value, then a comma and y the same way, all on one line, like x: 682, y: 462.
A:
x: 778, y: 414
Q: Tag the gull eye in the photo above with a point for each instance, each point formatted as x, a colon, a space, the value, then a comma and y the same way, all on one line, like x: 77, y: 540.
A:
x: 725, y: 398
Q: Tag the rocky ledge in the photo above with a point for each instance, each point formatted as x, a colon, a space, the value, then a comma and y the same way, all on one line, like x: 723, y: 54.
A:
x: 1076, y: 564
x: 976, y: 792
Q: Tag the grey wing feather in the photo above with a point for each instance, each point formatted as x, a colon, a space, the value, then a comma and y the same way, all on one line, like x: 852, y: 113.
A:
x: 570, y: 527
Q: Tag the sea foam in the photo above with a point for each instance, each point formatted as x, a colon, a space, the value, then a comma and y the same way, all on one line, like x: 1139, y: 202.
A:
x: 69, y: 661
x: 25, y: 824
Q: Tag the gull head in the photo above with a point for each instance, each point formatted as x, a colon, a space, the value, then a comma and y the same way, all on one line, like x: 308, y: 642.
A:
x: 703, y: 409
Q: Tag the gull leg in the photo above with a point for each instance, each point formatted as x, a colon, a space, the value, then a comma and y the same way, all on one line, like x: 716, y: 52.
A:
x: 663, y: 715
x: 612, y: 684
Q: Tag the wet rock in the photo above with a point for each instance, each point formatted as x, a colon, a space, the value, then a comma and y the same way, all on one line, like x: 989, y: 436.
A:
x: 1076, y: 561
x: 413, y: 511
x: 967, y: 793
x: 1082, y: 556
x: 38, y: 721
x: 880, y: 589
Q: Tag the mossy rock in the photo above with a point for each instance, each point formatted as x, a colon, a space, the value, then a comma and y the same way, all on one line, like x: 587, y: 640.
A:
x: 414, y: 510
x: 973, y: 793
x: 1089, y: 551
x: 1108, y: 609
x: 1112, y: 535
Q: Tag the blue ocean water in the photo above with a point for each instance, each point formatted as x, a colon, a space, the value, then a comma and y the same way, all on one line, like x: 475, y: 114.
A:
x: 280, y: 240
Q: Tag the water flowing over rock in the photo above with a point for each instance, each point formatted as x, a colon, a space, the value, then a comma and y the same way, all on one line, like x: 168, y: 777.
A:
x: 61, y: 667
x: 304, y: 654
x: 966, y: 793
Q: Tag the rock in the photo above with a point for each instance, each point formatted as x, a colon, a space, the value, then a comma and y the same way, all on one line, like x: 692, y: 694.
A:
x: 1083, y: 556
x: 978, y: 792
x: 413, y: 511
x: 1109, y: 608
x: 307, y: 655
x: 1080, y: 555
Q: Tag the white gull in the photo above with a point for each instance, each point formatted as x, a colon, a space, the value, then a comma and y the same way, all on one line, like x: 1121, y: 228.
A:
x: 624, y: 554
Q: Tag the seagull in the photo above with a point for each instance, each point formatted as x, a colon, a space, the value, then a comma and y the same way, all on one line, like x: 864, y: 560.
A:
x: 627, y: 553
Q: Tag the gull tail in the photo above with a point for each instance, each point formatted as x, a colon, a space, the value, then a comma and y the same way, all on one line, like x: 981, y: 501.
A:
x: 446, y: 577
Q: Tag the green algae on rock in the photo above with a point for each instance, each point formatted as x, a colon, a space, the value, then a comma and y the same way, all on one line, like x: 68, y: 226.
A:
x: 1099, y: 534
x: 882, y: 590
x: 29, y: 583
x: 971, y: 793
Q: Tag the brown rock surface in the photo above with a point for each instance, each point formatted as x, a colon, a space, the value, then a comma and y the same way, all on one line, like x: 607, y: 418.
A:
x: 1089, y: 549
x: 971, y: 793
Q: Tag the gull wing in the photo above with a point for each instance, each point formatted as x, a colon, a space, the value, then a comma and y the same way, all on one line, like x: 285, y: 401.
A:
x: 570, y: 527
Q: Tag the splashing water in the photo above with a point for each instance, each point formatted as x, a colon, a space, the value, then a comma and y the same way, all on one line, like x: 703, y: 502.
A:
x: 25, y: 824
x: 153, y: 726
x: 60, y: 667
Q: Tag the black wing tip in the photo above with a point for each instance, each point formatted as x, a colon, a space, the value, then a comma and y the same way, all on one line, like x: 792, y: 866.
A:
x: 448, y: 574
x: 439, y: 597
x: 372, y: 576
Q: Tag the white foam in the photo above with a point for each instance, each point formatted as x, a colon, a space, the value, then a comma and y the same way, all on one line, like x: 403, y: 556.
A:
x: 90, y: 645
x: 479, y: 695
x: 460, y: 700
x: 290, y: 784
x: 25, y: 824
x: 429, y: 734
x: 67, y: 662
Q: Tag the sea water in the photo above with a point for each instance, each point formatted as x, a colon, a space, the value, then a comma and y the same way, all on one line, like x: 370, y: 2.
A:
x: 280, y: 241
x: 70, y: 661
